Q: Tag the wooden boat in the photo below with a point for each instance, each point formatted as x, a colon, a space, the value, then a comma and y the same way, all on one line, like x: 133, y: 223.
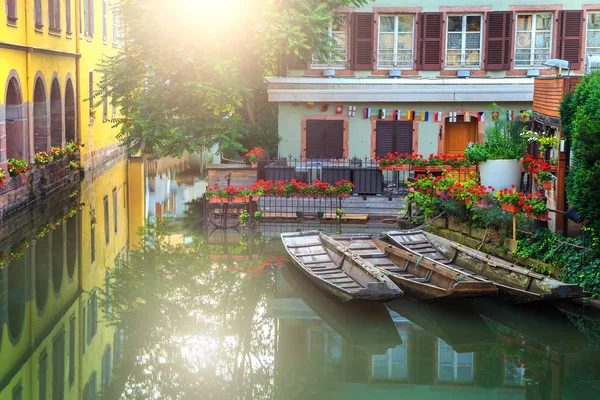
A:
x: 453, y: 321
x: 419, y: 277
x: 335, y: 271
x: 365, y: 325
x: 518, y: 283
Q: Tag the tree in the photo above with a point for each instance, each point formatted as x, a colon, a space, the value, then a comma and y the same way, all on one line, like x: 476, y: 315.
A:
x: 191, y: 75
x: 580, y: 116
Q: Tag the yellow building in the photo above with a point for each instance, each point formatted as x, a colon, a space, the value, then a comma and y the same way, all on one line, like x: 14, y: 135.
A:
x: 49, y: 50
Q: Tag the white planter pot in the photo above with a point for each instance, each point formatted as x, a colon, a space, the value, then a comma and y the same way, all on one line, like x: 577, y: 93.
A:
x: 500, y: 174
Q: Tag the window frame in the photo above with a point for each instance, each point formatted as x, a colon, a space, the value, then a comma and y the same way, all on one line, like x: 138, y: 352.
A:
x: 396, y: 34
x: 331, y: 32
x: 455, y: 365
x: 587, y: 32
x: 533, y: 32
x: 68, y: 18
x: 464, y: 42
x: 104, y: 21
x: 38, y: 14
x: 54, y: 25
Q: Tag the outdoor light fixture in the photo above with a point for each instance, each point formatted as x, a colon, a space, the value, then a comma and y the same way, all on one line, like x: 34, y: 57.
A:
x: 558, y: 63
x: 592, y: 63
x: 329, y: 73
x: 463, y: 73
x: 395, y: 73
x: 532, y: 73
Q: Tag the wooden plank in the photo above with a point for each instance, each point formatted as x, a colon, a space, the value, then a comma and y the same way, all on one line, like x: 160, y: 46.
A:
x: 322, y: 253
x: 300, y: 245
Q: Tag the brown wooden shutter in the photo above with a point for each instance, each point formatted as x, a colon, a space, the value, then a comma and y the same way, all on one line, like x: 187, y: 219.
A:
x: 430, y: 41
x: 498, y: 36
x: 392, y: 136
x: 38, y: 13
x: 11, y: 10
x: 570, y: 24
x: 362, y: 32
x: 334, y: 139
x: 51, y: 13
x: 404, y: 137
x: 68, y: 16
x: 315, y: 138
x: 384, y: 138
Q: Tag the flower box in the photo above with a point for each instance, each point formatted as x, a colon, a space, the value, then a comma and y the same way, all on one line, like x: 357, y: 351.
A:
x: 419, y: 169
x: 541, y: 216
x: 387, y: 168
x: 547, y: 185
x: 237, y: 199
x: 511, y: 208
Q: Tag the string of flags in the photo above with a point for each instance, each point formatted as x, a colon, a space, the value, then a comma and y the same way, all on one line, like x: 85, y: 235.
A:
x: 410, y: 115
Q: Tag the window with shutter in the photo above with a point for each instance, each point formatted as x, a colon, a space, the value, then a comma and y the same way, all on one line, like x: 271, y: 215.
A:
x: 11, y: 11
x: 72, y: 333
x: 324, y: 138
x: 463, y: 41
x: 430, y: 41
x: 363, y: 41
x: 395, y: 44
x: 338, y: 32
x: 42, y: 376
x: 393, y: 136
x: 86, y: 20
x: 533, y: 44
x: 58, y: 367
x: 68, y: 17
x: 498, y: 35
x: 592, y: 42
x: 91, y: 16
x: 54, y: 14
x: 569, y: 48
x: 104, y: 21
x: 37, y: 10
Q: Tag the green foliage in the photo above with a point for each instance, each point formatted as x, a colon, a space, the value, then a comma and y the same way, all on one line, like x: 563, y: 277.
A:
x: 584, y: 126
x: 188, y: 79
x: 424, y: 206
x: 567, y: 110
x: 579, y: 265
x: 502, y: 141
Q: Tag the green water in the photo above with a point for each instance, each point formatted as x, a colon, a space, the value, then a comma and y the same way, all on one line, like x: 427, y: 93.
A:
x: 190, y: 313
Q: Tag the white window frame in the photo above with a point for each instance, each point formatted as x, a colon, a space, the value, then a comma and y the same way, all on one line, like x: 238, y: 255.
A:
x: 396, y: 33
x: 532, y: 47
x: 388, y: 354
x: 455, y: 365
x: 464, y: 41
x: 331, y: 33
x: 587, y: 34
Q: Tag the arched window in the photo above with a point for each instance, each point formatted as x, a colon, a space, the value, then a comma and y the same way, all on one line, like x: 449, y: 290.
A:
x: 41, y: 138
x: 55, y: 114
x: 16, y: 122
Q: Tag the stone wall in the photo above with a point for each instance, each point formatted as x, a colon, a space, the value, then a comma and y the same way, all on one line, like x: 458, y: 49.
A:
x: 19, y: 191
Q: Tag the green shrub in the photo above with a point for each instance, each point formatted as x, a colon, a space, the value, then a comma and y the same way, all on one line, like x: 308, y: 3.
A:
x: 579, y: 266
x: 583, y: 128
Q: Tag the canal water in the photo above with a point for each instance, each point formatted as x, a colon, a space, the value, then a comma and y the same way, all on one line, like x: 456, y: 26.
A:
x: 113, y: 289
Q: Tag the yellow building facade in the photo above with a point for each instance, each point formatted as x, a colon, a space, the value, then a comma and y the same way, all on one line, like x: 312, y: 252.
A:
x: 49, y: 53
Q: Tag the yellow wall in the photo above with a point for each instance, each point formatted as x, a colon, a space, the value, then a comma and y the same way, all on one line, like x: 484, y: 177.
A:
x: 71, y: 55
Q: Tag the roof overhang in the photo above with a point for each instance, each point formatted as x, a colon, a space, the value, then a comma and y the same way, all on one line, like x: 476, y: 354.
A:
x: 400, y: 90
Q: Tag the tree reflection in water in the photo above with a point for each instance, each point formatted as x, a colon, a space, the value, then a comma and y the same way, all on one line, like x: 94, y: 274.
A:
x: 193, y: 328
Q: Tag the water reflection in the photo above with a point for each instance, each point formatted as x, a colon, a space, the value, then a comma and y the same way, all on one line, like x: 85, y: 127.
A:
x: 89, y: 307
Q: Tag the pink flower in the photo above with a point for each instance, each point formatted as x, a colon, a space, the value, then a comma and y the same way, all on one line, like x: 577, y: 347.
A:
x: 411, y: 190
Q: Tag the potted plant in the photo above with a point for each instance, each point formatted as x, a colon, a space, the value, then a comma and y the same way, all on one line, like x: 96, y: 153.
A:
x: 423, y: 183
x: 244, y: 217
x: 510, y: 200
x: 443, y: 182
x: 339, y: 213
x: 320, y: 213
x: 258, y: 214
x: 299, y: 213
x: 253, y: 155
x: 499, y: 155
x: 535, y: 206
x: 545, y: 178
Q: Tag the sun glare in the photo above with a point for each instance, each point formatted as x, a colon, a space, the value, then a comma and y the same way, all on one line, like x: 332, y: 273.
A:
x: 215, y: 12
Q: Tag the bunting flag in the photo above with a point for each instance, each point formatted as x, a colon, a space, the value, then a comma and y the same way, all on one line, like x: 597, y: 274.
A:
x: 495, y: 115
x: 437, y: 117
x: 382, y: 113
x: 452, y: 116
x: 397, y: 115
x: 366, y: 112
x: 310, y: 104
x: 324, y: 107
x: 467, y: 116
x: 424, y: 115
x: 510, y: 115
x: 410, y: 115
x: 339, y: 109
x: 351, y: 111
x: 481, y: 116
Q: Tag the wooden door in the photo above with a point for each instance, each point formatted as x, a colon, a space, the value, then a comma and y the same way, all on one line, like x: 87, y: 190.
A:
x: 458, y: 135
x: 324, y: 138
